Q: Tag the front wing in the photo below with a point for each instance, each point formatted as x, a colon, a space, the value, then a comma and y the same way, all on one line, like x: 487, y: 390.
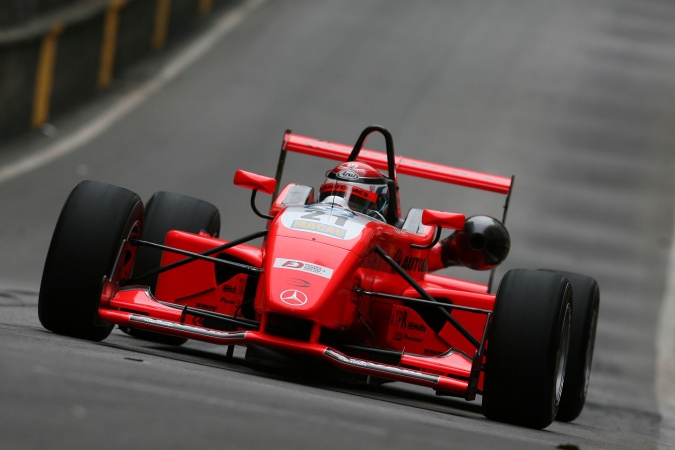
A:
x: 452, y: 373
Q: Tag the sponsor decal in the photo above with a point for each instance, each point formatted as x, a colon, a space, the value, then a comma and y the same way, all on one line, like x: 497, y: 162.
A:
x: 293, y: 297
x: 330, y: 230
x: 407, y: 337
x: 298, y: 282
x: 303, y: 266
x: 348, y: 174
x: 355, y: 167
x: 349, y: 190
x: 399, y: 318
x: 198, y: 321
x: 230, y: 289
x: 411, y: 263
x: 417, y: 326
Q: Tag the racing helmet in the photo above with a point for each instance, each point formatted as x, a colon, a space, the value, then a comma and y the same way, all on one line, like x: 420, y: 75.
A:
x: 362, y: 187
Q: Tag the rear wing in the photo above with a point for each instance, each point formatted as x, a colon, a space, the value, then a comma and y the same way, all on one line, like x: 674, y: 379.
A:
x: 395, y: 165
x: 404, y: 165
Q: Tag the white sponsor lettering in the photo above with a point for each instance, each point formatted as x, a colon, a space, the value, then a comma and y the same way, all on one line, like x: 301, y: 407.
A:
x: 303, y: 266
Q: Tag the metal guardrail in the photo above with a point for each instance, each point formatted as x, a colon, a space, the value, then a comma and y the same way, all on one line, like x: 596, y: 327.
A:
x: 57, y: 59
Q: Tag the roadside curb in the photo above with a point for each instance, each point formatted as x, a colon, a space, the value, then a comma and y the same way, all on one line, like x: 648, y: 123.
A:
x: 60, y: 59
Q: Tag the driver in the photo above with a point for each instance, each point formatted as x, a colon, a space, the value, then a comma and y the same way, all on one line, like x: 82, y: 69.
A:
x: 356, y: 186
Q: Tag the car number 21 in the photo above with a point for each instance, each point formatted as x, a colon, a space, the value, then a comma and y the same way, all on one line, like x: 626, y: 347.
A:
x: 326, y: 221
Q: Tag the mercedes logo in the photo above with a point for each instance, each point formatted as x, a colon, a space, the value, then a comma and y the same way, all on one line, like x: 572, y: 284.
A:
x: 293, y: 297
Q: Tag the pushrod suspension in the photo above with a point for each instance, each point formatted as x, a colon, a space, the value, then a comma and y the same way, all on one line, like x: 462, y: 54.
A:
x: 195, y: 256
x: 458, y: 326
x: 422, y: 301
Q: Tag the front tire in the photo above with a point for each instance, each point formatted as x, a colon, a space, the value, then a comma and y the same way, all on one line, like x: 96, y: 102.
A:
x: 168, y: 211
x: 582, y: 342
x: 92, y: 230
x: 527, y: 349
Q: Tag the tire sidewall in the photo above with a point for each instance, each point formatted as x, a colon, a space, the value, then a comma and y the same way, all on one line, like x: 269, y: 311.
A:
x: 584, y: 325
x: 523, y: 348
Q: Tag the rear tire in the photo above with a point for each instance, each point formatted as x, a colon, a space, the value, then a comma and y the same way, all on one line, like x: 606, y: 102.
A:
x: 89, y: 235
x: 582, y: 342
x: 167, y: 211
x: 527, y: 349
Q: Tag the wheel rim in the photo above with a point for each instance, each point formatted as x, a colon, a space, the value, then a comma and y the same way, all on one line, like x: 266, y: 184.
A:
x: 561, y: 364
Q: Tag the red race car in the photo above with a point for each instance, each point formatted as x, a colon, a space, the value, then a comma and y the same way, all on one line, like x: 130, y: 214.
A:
x: 342, y: 280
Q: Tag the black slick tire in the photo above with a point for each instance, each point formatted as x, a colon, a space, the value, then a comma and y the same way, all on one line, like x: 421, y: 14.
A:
x: 89, y: 235
x: 527, y: 348
x: 582, y: 342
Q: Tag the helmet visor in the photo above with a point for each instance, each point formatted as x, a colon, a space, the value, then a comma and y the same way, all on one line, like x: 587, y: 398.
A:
x: 359, y: 199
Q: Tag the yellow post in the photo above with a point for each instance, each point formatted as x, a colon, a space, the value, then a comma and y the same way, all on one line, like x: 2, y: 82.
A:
x: 44, y: 78
x: 162, y: 15
x: 109, y: 45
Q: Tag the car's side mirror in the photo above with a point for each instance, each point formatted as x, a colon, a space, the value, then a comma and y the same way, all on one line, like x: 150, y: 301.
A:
x: 441, y: 219
x: 254, y: 181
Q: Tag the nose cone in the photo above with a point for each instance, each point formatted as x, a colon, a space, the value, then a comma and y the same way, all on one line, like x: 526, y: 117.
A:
x: 299, y: 286
x: 314, y: 284
x: 313, y: 255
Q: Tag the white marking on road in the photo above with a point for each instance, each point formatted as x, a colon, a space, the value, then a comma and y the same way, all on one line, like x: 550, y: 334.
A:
x: 665, y: 356
x: 222, y: 27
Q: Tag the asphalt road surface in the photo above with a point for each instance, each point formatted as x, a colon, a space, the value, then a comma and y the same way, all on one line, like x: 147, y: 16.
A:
x: 576, y: 98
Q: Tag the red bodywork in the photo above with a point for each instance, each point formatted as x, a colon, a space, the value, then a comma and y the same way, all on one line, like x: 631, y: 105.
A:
x: 319, y: 286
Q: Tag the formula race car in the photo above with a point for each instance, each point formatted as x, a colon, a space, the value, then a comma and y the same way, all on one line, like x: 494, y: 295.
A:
x: 341, y: 281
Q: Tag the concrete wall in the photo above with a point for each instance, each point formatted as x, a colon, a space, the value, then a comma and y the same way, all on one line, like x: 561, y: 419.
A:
x: 56, y: 54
